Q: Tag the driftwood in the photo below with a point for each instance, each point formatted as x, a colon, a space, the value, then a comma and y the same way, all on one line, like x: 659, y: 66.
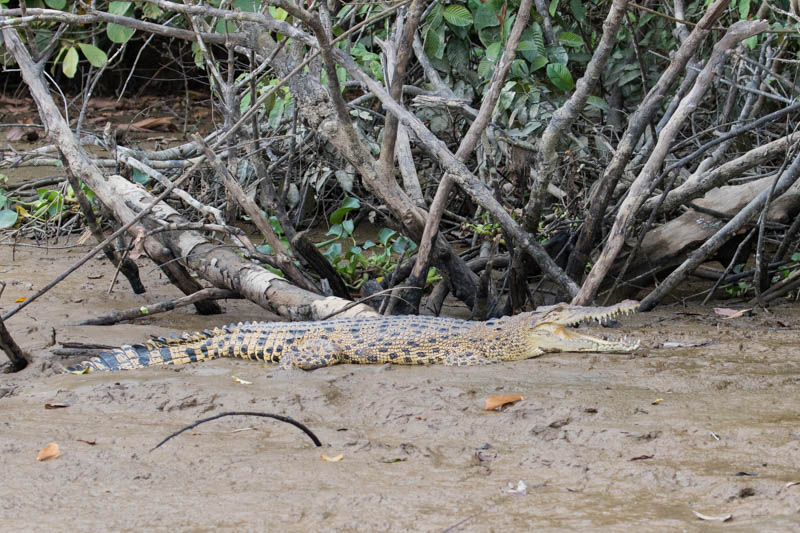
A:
x: 189, y: 249
x: 778, y: 186
x: 210, y: 293
x: 11, y: 349
x: 666, y: 246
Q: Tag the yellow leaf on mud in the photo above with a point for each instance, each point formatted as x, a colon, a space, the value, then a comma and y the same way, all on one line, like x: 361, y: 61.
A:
x: 84, y: 370
x: 242, y: 381
x: 728, y: 314
x: 51, y: 451
x: 657, y: 401
x: 84, y: 236
x: 333, y: 459
x: 20, y: 300
x: 499, y: 400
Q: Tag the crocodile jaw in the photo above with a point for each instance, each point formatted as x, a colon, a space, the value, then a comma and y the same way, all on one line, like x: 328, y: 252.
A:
x: 550, y: 337
x: 567, y: 315
x: 549, y: 333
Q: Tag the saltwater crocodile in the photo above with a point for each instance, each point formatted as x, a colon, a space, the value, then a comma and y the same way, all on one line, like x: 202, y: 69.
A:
x: 409, y: 340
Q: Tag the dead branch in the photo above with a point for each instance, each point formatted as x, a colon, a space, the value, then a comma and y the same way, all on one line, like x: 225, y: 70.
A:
x: 281, y: 418
x: 644, y: 182
x: 784, y: 181
x: 220, y: 266
x: 211, y: 293
x: 11, y: 349
x: 546, y: 156
x: 636, y: 127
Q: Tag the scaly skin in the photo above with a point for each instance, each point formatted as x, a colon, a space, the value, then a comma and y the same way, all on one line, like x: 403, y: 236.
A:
x: 408, y: 340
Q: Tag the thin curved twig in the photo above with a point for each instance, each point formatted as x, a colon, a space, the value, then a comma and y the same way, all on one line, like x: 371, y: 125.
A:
x: 282, y: 418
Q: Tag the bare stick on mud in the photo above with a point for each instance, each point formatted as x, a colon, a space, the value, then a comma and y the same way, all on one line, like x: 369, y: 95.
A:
x: 11, y: 349
x: 210, y: 293
x: 282, y: 418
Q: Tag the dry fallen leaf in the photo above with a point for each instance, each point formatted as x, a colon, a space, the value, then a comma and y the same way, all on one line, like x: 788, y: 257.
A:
x: 51, y: 451
x: 15, y: 133
x: 499, y: 400
x: 20, y: 300
x: 242, y: 381
x: 149, y: 124
x: 731, y: 313
x: 137, y: 250
x: 657, y: 401
x: 333, y: 459
x: 84, y: 236
x: 721, y: 518
x: 55, y: 405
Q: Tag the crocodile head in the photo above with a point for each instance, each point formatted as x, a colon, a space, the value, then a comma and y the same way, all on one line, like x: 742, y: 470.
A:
x: 548, y: 331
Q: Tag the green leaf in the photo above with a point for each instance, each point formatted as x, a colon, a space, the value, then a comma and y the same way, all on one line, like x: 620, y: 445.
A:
x: 434, y: 18
x: 458, y: 54
x: 265, y: 249
x: 402, y: 244
x: 348, y: 226
x: 225, y: 26
x: 334, y: 250
x: 570, y: 39
x: 434, y: 43
x: 538, y: 63
x: 489, y: 36
x: 553, y: 6
x: 629, y: 77
x: 385, y: 234
x: 245, y: 5
x: 493, y: 51
x: 560, y: 77
x: 796, y: 257
x: 69, y: 65
x: 744, y: 9
x: 578, y: 11
x: 56, y: 4
x: 140, y: 177
x: 599, y: 103
x: 151, y: 11
x: 336, y: 231
x: 8, y: 217
x: 485, y: 17
x: 119, y: 34
x: 119, y: 8
x: 276, y: 113
x: 457, y: 15
x: 96, y: 57
x: 348, y: 205
x: 485, y: 68
x: 558, y: 54
x: 276, y: 226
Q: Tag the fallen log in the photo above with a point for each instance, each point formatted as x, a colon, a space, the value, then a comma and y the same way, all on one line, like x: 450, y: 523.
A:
x: 221, y: 267
x: 667, y: 245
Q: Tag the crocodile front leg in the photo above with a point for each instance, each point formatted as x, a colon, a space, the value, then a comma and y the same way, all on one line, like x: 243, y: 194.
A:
x: 311, y: 354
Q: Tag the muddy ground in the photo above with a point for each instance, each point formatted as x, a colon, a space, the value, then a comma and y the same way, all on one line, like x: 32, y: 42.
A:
x: 611, y: 442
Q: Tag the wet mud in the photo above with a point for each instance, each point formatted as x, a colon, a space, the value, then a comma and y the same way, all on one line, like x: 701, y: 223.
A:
x: 708, y: 424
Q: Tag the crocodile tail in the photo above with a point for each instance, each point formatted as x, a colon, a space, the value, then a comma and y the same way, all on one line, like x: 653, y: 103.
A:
x: 173, y: 350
